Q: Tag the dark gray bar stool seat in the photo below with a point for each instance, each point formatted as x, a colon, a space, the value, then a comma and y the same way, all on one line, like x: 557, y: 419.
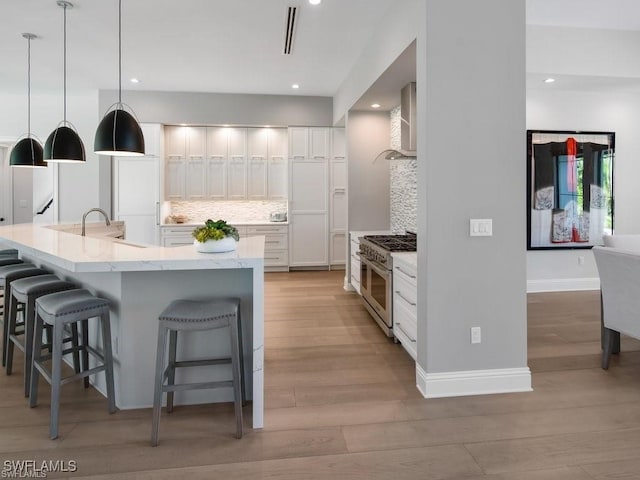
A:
x: 24, y: 292
x: 8, y: 253
x: 4, y: 262
x: 61, y: 309
x: 189, y: 315
x: 7, y: 275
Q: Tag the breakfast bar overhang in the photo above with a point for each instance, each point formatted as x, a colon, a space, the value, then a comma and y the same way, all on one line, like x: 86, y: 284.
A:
x: 140, y: 282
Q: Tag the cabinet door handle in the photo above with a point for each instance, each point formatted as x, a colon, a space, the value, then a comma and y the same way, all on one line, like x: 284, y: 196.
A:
x: 272, y: 242
x: 338, y: 158
x: 319, y: 157
x: 406, y: 273
x: 413, y: 304
x: 399, y: 325
x: 157, y: 213
x: 272, y: 258
x: 299, y: 157
x: 339, y: 190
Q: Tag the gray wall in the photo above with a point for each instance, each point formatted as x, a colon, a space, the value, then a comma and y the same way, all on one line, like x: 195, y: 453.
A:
x: 367, y: 136
x: 222, y: 108
x: 471, y: 138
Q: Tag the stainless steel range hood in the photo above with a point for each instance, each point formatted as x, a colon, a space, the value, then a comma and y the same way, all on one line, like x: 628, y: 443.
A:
x: 408, y: 135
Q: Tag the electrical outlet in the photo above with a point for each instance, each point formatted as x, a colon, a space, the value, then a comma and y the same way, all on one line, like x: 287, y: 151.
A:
x: 476, y: 335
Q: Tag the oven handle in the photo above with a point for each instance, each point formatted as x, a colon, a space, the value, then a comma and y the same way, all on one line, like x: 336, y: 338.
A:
x: 379, y: 269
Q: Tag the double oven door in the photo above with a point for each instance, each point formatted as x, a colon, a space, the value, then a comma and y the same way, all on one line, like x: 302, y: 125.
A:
x: 376, y: 288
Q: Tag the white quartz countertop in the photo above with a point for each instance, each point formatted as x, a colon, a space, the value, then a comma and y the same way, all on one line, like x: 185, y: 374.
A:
x: 409, y: 258
x: 362, y: 233
x: 243, y: 223
x: 103, y: 254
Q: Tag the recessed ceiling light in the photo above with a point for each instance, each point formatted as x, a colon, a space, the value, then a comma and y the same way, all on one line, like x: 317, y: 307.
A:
x: 135, y: 80
x: 375, y: 105
x: 549, y: 80
x: 315, y: 2
x: 295, y: 85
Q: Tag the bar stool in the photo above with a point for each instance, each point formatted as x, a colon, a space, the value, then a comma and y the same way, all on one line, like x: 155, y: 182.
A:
x: 191, y: 315
x: 25, y: 292
x: 6, y: 260
x: 61, y: 309
x: 7, y: 275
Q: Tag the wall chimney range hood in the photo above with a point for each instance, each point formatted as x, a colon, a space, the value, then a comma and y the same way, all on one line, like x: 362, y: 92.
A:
x: 408, y: 135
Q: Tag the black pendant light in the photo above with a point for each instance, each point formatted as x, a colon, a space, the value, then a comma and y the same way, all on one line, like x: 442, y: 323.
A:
x: 28, y: 151
x: 119, y: 133
x: 64, y: 143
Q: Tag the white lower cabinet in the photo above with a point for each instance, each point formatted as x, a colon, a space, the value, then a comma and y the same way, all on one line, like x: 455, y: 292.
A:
x: 276, y: 245
x: 355, y: 261
x: 405, y: 302
x: 309, y: 240
x: 176, y: 235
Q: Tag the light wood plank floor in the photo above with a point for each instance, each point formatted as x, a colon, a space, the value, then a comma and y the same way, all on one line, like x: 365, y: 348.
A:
x: 342, y: 404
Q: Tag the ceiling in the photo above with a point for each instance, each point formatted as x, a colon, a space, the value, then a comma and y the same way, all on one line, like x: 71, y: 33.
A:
x: 228, y: 46
x: 233, y: 46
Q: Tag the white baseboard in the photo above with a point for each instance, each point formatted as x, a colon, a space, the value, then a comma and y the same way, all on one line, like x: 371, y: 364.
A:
x: 473, y: 382
x: 563, y: 285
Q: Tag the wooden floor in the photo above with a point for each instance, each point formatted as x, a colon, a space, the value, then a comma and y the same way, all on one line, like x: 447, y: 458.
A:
x: 341, y: 403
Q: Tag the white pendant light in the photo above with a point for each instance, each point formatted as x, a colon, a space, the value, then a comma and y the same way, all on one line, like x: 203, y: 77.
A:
x: 119, y: 133
x: 27, y: 152
x: 64, y: 144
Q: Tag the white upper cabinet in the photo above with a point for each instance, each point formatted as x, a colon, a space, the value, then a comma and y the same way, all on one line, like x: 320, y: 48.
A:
x: 226, y: 163
x: 175, y: 139
x: 217, y: 142
x: 257, y: 152
x: 237, y: 142
x: 319, y: 143
x: 196, y: 188
x: 175, y: 152
x: 257, y: 143
x: 278, y: 140
x: 298, y: 142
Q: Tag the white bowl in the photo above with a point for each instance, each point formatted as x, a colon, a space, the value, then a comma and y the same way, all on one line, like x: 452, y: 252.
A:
x: 227, y: 244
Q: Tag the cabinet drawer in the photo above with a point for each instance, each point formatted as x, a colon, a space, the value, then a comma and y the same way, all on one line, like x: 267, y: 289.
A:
x: 405, y: 272
x: 405, y: 328
x: 177, y: 230
x: 177, y: 241
x: 276, y: 242
x: 267, y: 229
x: 278, y: 258
x: 405, y: 294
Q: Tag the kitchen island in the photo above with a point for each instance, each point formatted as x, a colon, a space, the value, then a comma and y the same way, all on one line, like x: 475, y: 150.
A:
x: 140, y: 281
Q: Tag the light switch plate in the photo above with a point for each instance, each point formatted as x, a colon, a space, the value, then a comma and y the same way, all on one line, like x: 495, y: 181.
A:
x: 481, y: 227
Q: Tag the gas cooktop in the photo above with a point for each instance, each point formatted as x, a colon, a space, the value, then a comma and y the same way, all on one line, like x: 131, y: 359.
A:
x: 394, y: 243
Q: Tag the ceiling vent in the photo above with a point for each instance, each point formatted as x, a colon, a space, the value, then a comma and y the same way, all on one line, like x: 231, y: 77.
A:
x: 290, y: 29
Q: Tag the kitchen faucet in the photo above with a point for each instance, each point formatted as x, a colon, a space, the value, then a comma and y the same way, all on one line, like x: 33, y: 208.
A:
x: 84, y: 218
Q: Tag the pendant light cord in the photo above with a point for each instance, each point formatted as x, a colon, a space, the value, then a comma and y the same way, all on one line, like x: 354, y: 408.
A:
x: 29, y: 86
x: 120, y: 52
x: 64, y: 67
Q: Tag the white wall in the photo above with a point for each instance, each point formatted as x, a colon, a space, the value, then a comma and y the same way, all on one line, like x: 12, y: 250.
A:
x: 619, y: 112
x: 78, y: 183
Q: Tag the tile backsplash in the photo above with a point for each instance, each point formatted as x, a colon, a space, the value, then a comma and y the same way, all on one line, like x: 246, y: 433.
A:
x: 403, y: 184
x: 232, y: 210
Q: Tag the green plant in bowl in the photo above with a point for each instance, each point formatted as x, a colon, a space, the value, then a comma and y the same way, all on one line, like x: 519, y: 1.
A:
x: 215, y: 231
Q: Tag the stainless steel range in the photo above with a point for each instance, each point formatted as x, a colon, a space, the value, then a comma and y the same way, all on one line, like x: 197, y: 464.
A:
x: 376, y: 280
